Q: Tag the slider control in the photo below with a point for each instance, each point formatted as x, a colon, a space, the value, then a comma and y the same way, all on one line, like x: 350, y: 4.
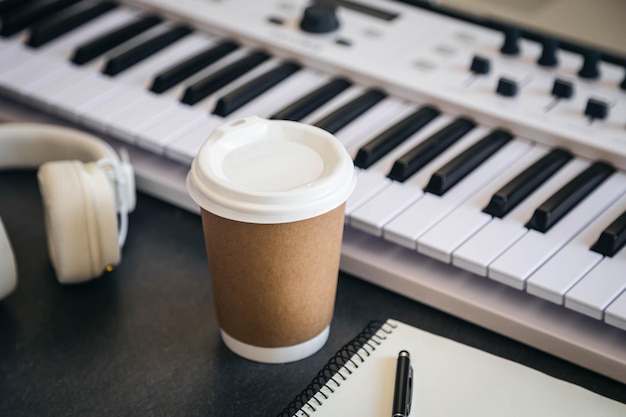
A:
x: 597, y: 109
x: 480, y: 65
x: 507, y: 87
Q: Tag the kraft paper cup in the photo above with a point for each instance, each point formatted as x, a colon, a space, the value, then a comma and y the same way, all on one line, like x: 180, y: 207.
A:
x: 272, y: 197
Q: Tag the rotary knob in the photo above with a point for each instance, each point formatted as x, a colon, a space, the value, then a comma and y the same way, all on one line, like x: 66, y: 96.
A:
x: 320, y: 18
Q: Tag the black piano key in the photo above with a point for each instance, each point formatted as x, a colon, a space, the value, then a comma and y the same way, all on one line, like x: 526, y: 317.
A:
x: 516, y: 190
x: 10, y: 6
x: 179, y: 72
x: 30, y: 14
x: 565, y: 199
x: 66, y: 21
x: 104, y: 43
x: 383, y: 143
x: 350, y: 111
x: 213, y: 82
x: 307, y: 104
x: 613, y: 238
x: 409, y: 163
x: 454, y: 171
x: 142, y: 51
x: 252, y: 89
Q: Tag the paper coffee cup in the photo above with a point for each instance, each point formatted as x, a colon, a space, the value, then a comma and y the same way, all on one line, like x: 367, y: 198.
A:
x: 272, y: 197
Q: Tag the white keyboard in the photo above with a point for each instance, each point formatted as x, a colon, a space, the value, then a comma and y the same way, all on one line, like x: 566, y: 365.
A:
x: 484, y: 178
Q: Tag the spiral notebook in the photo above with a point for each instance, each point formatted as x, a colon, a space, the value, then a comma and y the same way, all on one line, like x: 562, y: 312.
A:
x: 449, y: 379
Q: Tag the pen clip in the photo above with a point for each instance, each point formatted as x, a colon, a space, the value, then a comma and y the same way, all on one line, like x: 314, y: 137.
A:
x: 409, y: 398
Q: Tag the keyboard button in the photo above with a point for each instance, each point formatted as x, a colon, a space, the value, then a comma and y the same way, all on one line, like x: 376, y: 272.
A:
x: 66, y: 21
x: 507, y: 198
x: 186, y: 147
x: 338, y: 119
x: 613, y: 238
x: 179, y: 72
x: 454, y: 171
x: 307, y: 104
x: 559, y: 204
x: 252, y: 89
x: 423, y: 153
x: 213, y: 82
x: 379, y: 146
x: 140, y: 52
x: 11, y: 6
x: 30, y: 14
x: 106, y: 42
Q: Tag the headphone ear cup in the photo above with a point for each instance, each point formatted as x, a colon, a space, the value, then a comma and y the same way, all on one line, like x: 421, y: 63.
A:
x: 81, y: 220
x: 8, y: 274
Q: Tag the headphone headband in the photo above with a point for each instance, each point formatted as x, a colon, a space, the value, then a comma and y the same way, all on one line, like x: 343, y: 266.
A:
x: 28, y: 145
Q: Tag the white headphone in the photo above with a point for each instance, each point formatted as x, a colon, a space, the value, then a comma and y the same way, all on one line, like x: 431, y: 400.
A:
x: 81, y: 199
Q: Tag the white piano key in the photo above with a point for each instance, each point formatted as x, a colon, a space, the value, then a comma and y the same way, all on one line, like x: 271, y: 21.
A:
x: 452, y: 231
x: 592, y: 294
x: 440, y: 241
x: 102, y: 115
x: 615, y: 313
x: 89, y: 92
x: 412, y: 223
x: 141, y: 115
x: 368, y: 183
x: 69, y: 77
x: 488, y: 243
x: 373, y: 215
x: 515, y: 265
x: 185, y: 147
x: 160, y: 134
x: 552, y: 280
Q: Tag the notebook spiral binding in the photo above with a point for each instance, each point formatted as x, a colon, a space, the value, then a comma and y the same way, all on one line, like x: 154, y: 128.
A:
x: 330, y: 376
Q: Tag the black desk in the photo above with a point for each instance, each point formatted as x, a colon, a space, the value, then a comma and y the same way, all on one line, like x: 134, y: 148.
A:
x: 143, y: 340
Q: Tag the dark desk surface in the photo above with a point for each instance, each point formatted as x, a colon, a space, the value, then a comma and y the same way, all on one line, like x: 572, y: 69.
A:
x: 143, y: 340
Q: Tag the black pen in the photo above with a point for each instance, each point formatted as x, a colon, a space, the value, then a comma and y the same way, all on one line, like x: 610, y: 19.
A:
x: 403, y: 390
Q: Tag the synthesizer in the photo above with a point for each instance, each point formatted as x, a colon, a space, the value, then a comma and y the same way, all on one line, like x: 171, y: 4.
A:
x: 491, y: 158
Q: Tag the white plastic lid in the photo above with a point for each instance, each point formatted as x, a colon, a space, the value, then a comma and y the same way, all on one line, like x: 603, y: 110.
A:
x: 269, y: 171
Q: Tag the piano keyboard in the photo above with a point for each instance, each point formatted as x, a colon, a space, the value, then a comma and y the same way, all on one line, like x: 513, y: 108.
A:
x: 490, y: 186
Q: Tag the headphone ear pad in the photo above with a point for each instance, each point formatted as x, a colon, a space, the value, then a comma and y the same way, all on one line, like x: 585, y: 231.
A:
x: 8, y: 274
x: 80, y: 218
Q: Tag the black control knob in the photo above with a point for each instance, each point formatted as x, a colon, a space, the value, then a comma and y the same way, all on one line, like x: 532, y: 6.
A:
x: 562, y: 89
x: 590, y: 65
x: 320, y: 18
x: 511, y: 41
x: 480, y: 65
x: 597, y: 109
x: 548, y: 54
x: 507, y: 87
